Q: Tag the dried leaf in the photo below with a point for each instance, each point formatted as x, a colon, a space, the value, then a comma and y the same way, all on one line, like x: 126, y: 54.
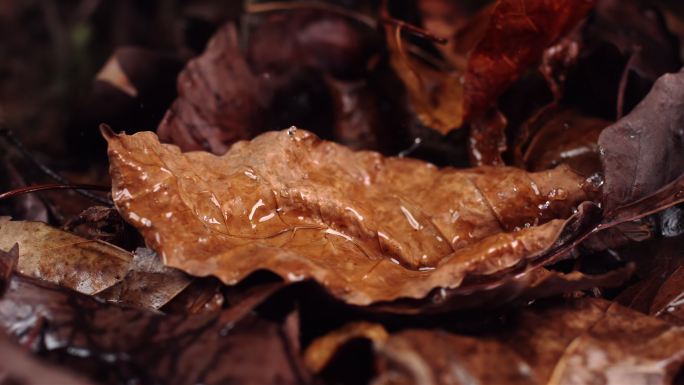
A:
x: 437, y: 357
x: 124, y: 345
x: 366, y: 227
x: 91, y: 267
x: 219, y: 99
x: 559, y: 341
x: 507, y: 39
x: 517, y: 35
x: 337, y: 45
x: 644, y: 151
x: 8, y: 262
x: 63, y: 258
x: 584, y: 341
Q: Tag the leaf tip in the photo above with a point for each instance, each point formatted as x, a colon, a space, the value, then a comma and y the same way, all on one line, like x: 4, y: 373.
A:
x: 107, y: 132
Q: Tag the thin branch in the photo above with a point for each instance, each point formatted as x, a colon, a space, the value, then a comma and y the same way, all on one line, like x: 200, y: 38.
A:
x: 14, y: 141
x: 52, y: 186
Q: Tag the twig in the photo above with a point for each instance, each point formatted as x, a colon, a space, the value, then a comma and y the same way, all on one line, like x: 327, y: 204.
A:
x: 14, y: 141
x: 52, y: 186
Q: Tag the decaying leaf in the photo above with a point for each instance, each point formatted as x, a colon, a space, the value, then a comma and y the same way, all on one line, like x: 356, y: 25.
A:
x: 63, y: 258
x: 366, y: 227
x: 574, y: 342
x: 645, y: 150
x: 91, y: 267
x: 219, y: 99
x: 123, y: 345
x: 507, y: 39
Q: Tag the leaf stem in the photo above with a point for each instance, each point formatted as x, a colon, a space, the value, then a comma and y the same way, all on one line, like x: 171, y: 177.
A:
x: 53, y: 186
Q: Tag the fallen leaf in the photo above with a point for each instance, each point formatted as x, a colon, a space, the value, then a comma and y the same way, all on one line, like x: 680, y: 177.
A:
x: 338, y: 45
x: 62, y: 258
x: 91, y: 267
x: 254, y: 209
x: 580, y: 341
x: 560, y: 341
x: 220, y: 100
x: 644, y: 151
x: 147, y: 283
x: 437, y: 357
x: 517, y: 35
x: 122, y: 345
x: 505, y: 40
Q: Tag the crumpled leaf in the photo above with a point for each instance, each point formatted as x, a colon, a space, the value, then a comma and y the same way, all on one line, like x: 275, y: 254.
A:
x: 645, y: 150
x: 123, y: 345
x: 584, y: 341
x: 91, y: 267
x: 366, y: 227
x: 509, y: 37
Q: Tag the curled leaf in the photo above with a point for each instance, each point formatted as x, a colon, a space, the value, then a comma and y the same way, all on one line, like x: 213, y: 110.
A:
x: 644, y: 151
x: 366, y: 227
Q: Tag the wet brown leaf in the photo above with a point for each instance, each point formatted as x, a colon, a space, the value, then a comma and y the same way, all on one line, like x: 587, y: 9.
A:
x: 366, y: 227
